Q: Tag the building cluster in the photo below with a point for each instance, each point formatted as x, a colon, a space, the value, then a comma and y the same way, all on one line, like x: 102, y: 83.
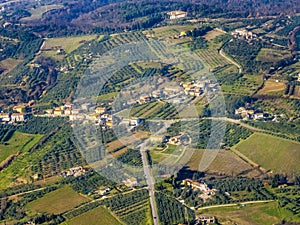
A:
x: 206, y: 192
x: 202, y: 219
x: 196, y: 88
x: 243, y: 33
x: 250, y: 114
x: 178, y: 14
x: 19, y: 115
x: 74, y: 172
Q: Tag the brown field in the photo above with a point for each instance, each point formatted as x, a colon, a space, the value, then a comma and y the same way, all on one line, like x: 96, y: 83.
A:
x: 213, y: 34
x: 9, y: 64
x: 226, y: 163
x: 126, y: 141
x: 58, y: 201
x: 272, y: 87
x: 297, y: 92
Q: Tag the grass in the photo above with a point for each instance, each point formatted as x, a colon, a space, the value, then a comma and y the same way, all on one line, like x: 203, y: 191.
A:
x: 274, y: 153
x: 95, y: 216
x: 19, y: 142
x: 69, y: 44
x: 251, y: 214
x: 9, y: 64
x: 213, y: 34
x: 37, y: 13
x: 58, y: 201
x: 272, y: 87
x: 272, y: 55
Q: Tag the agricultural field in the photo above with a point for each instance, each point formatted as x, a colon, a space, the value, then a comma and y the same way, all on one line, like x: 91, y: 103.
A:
x: 245, y: 85
x: 274, y: 153
x: 211, y: 35
x: 93, y: 217
x: 18, y: 143
x: 272, y: 55
x: 68, y: 44
x: 164, y: 33
x: 9, y: 64
x: 58, y: 201
x: 226, y: 163
x: 250, y: 214
x: 37, y: 13
x: 271, y: 87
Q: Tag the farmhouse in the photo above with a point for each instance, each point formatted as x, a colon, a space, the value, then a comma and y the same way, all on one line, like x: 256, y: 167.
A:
x: 178, y: 14
x: 5, y: 117
x: 19, y: 117
x: 200, y: 219
x: 100, y: 110
x: 175, y: 140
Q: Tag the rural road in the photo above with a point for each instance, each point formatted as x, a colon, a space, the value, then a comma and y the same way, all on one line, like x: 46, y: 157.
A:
x: 221, y: 52
x: 235, y: 204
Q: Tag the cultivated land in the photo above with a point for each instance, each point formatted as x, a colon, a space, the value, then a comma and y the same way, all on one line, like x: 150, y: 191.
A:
x: 95, y: 217
x: 272, y: 55
x: 274, y: 153
x: 213, y: 34
x: 18, y: 143
x: 250, y: 214
x: 226, y: 163
x: 58, y: 201
x: 272, y: 87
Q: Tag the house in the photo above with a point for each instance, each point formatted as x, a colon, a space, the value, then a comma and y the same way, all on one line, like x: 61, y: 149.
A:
x: 175, y: 140
x: 20, y: 108
x: 258, y: 116
x: 130, y: 182
x: 68, y: 106
x: 200, y: 186
x: 18, y: 117
x: 134, y: 122
x: 178, y: 14
x: 36, y: 176
x: 68, y: 111
x: 103, y: 191
x: 5, y: 117
x: 144, y: 99
x: 100, y: 110
x: 58, y: 112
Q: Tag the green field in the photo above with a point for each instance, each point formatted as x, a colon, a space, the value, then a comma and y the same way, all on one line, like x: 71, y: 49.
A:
x: 95, y: 216
x: 274, y: 153
x: 19, y: 142
x: 38, y: 12
x: 58, y: 201
x: 68, y: 44
x: 251, y: 214
x: 272, y: 55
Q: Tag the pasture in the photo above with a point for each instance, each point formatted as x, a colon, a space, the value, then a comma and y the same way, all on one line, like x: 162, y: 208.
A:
x: 274, y: 153
x: 272, y: 55
x: 19, y: 142
x: 58, y: 201
x: 250, y: 214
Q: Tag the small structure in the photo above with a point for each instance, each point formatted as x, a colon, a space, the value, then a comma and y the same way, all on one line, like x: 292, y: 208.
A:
x: 5, y: 117
x: 178, y: 14
x: 175, y: 140
x: 18, y: 117
x: 134, y: 122
x: 20, y: 108
x: 100, y: 110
